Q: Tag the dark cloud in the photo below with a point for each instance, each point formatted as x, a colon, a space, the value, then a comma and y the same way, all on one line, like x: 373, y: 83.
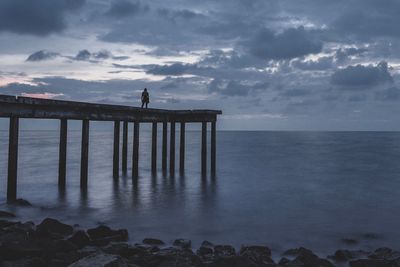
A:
x: 39, y: 17
x: 322, y: 63
x: 291, y: 43
x: 83, y: 55
x: 41, y: 55
x: 389, y: 94
x: 343, y: 54
x: 123, y: 8
x: 362, y: 77
x: 235, y: 88
x: 175, y: 69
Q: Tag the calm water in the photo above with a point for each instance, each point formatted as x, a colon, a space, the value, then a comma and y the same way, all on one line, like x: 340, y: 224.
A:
x: 282, y: 189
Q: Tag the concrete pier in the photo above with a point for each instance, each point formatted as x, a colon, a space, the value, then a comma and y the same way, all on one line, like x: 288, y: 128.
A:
x: 15, y: 108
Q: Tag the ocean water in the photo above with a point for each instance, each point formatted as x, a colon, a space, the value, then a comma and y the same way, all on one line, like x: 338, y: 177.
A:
x: 281, y: 189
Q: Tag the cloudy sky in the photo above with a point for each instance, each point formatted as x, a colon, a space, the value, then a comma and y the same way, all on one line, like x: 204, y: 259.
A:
x: 268, y: 64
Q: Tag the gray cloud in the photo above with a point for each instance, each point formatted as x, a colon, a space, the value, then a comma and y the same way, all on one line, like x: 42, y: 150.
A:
x: 362, y: 77
x: 123, y: 8
x: 291, y: 43
x: 389, y: 94
x: 41, y: 55
x: 175, y: 69
x: 39, y: 17
x: 322, y: 63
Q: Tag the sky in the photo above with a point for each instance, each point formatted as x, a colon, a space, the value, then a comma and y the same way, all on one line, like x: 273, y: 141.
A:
x: 267, y: 64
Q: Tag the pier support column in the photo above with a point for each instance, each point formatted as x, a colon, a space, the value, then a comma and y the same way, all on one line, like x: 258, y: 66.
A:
x: 203, y: 148
x: 182, y: 149
x: 125, y: 148
x: 164, y: 146
x: 154, y: 148
x: 213, y: 147
x: 62, y: 164
x: 172, y: 150
x: 84, y: 154
x: 116, y: 149
x: 12, y: 159
x: 135, y: 157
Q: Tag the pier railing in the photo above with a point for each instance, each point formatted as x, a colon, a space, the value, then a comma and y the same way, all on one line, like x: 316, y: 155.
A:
x: 15, y: 108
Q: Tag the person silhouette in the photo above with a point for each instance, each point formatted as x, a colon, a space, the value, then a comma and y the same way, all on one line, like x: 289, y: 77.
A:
x: 145, y: 98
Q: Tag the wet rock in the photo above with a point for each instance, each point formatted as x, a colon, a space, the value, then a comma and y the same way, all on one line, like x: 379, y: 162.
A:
x: 346, y: 255
x: 206, y: 243
x: 100, y: 260
x: 21, y: 202
x: 224, y: 251
x: 234, y: 261
x: 62, y: 246
x: 294, y: 252
x: 5, y: 223
x: 258, y: 255
x: 204, y: 251
x: 307, y: 258
x: 153, y: 242
x: 385, y: 254
x: 373, y: 263
x: 31, y: 262
x: 283, y: 261
x: 176, y: 257
x: 116, y: 248
x: 105, y: 232
x: 19, y: 250
x: 183, y: 243
x: 80, y: 239
x: 53, y: 226
x: 6, y: 214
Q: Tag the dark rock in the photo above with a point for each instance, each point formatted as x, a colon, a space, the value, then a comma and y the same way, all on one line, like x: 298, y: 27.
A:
x: 62, y: 246
x: 183, y: 243
x: 207, y: 244
x: 21, y: 202
x: 153, y: 241
x: 7, y: 214
x: 204, y: 251
x: 49, y: 226
x: 233, y: 261
x: 4, y: 223
x: 346, y: 255
x: 19, y: 250
x: 309, y: 259
x: 116, y: 248
x: 258, y: 255
x: 385, y: 254
x: 373, y: 263
x: 30, y: 262
x: 103, y: 231
x: 80, y: 239
x: 224, y: 251
x: 349, y: 241
x: 175, y: 257
x: 283, y: 261
x: 296, y: 251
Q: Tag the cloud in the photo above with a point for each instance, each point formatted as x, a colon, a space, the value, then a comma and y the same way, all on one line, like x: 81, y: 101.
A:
x: 291, y: 43
x: 122, y: 8
x: 322, y: 63
x: 235, y: 88
x: 360, y: 76
x: 389, y: 94
x: 177, y: 69
x: 39, y: 17
x: 44, y: 95
x: 343, y: 54
x: 41, y: 55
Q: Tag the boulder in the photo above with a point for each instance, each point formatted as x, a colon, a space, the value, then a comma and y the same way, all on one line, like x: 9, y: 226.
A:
x: 153, y: 242
x: 103, y: 231
x: 385, y: 254
x: 21, y: 202
x: 258, y: 255
x: 373, y: 263
x: 80, y: 239
x: 116, y: 248
x: 223, y: 251
x: 305, y: 257
x: 100, y: 260
x: 53, y: 226
x: 6, y: 214
x: 343, y: 255
x: 183, y: 243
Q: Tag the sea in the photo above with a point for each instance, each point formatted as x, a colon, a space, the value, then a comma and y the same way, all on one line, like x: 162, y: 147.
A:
x: 284, y: 189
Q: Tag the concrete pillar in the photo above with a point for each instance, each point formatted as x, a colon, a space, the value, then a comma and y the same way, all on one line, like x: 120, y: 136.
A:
x: 125, y: 148
x: 84, y: 154
x: 172, y: 150
x: 182, y: 149
x: 164, y: 146
x: 116, y: 149
x: 62, y: 163
x: 135, y: 158
x: 12, y: 159
x: 213, y: 147
x: 154, y: 148
x: 203, y: 148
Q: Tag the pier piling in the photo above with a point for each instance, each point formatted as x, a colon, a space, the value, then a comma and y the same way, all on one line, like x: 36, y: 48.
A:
x: 213, y: 148
x: 154, y: 148
x: 117, y: 127
x: 182, y: 149
x: 203, y: 148
x: 164, y: 146
x: 62, y: 164
x: 84, y: 153
x: 135, y: 156
x: 12, y: 159
x: 172, y: 150
x: 125, y: 148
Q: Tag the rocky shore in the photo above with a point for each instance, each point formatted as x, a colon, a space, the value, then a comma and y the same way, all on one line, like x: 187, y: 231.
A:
x: 53, y: 243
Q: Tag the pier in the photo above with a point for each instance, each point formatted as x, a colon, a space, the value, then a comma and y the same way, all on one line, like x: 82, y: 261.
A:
x: 15, y: 108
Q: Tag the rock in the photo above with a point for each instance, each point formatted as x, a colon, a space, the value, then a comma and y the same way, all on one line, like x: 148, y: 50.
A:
x: 307, y: 258
x: 207, y: 244
x: 33, y: 262
x: 223, y: 251
x: 49, y: 225
x: 153, y: 241
x: 62, y: 246
x: 373, y: 263
x: 106, y: 232
x: 19, y: 250
x: 175, y: 257
x: 4, y: 223
x: 183, y: 243
x: 346, y: 255
x: 204, y: 251
x: 283, y: 261
x: 234, y: 261
x: 349, y: 241
x: 100, y: 260
x: 80, y: 239
x: 116, y: 248
x: 294, y: 252
x: 258, y: 255
x: 21, y: 202
x: 385, y: 254
x: 6, y: 214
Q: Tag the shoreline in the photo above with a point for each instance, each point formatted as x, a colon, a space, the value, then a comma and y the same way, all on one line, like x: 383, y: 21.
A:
x: 53, y: 243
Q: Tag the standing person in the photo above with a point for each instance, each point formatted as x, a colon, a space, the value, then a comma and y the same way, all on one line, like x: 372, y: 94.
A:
x: 145, y: 97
